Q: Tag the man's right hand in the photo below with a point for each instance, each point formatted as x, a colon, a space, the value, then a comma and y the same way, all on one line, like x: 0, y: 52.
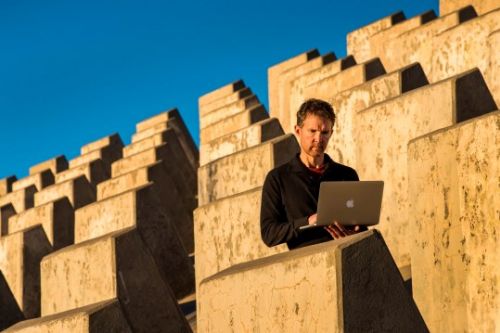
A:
x: 312, y: 219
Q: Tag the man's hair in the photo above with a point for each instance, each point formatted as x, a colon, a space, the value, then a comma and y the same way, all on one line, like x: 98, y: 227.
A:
x: 315, y: 107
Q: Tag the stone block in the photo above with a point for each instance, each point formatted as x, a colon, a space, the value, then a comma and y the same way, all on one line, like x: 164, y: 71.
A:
x: 20, y: 256
x: 5, y: 213
x: 172, y: 193
x: 39, y: 180
x: 78, y: 191
x: 160, y: 123
x: 357, y: 39
x: 116, y: 266
x: 248, y: 137
x: 233, y: 123
x: 228, y: 110
x: 141, y: 208
x: 347, y: 285
x: 20, y: 200
x: 221, y: 102
x: 112, y: 140
x: 494, y: 67
x: 244, y: 170
x: 384, y: 130
x: 275, y: 71
x: 107, y: 154
x: 221, y: 92
x: 56, y: 165
x: 106, y: 316
x: 96, y: 171
x: 56, y: 218
x: 481, y: 6
x: 282, y: 109
x: 346, y: 104
x: 152, y: 141
x: 454, y: 213
x: 6, y: 184
x: 227, y: 232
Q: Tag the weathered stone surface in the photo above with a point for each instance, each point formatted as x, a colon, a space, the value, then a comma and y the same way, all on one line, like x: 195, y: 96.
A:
x: 221, y: 102
x: 20, y: 256
x: 244, y: 170
x: 233, y: 123
x: 481, y: 6
x: 150, y: 142
x: 275, y: 71
x: 106, y: 316
x: 357, y: 39
x: 346, y: 104
x: 112, y: 140
x: 96, y: 171
x: 348, y: 285
x: 20, y: 200
x: 454, y: 214
x: 221, y: 92
x: 163, y: 121
x: 142, y: 209
x: 11, y: 313
x: 228, y: 110
x: 174, y: 198
x: 285, y: 79
x: 382, y: 134
x: 246, y: 138
x: 107, y: 154
x: 139, y: 160
x: 494, y: 69
x: 227, y: 232
x: 39, y: 180
x: 6, y: 184
x: 114, y: 266
x: 56, y: 165
x: 79, y: 192
x: 56, y: 218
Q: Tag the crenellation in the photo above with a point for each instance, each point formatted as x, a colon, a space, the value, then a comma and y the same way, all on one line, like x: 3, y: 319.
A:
x: 39, y: 180
x: 481, y: 6
x: 20, y: 200
x: 217, y: 104
x: 6, y: 184
x: 56, y: 165
x: 221, y: 92
x: 112, y: 140
x: 228, y: 110
x: 79, y: 191
x: 96, y: 172
x: 108, y: 154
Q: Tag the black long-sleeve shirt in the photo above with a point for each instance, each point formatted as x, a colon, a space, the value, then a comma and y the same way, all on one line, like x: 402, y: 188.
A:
x: 290, y: 196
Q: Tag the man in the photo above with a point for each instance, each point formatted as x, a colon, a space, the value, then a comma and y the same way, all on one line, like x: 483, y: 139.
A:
x: 290, y: 193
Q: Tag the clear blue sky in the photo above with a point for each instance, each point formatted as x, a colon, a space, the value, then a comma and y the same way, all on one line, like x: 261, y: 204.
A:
x: 74, y: 71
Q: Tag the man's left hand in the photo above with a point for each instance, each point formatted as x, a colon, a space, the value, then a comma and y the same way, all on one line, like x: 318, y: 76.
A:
x: 337, y: 230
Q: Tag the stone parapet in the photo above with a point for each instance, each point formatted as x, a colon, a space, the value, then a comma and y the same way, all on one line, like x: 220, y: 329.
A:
x: 56, y: 165
x: 79, y: 192
x: 112, y: 140
x: 20, y: 200
x: 96, y: 171
x: 227, y: 232
x: 6, y: 185
x: 243, y: 170
x: 481, y: 6
x: 347, y: 285
x: 221, y: 92
x: 116, y: 266
x: 39, y: 180
x: 453, y: 218
x: 221, y: 102
x: 142, y: 209
x: 248, y: 137
x: 228, y: 110
x: 108, y: 154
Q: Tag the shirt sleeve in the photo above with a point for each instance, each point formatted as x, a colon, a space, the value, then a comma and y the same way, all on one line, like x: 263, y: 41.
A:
x: 274, y: 225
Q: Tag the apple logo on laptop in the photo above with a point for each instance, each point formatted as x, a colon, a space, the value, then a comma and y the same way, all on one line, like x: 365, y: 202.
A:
x: 349, y: 203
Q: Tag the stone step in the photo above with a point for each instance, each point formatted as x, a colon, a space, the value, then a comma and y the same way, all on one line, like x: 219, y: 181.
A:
x: 346, y: 285
x: 221, y: 92
x: 227, y: 232
x: 6, y: 185
x: 106, y: 316
x: 275, y: 71
x: 221, y: 102
x: 172, y: 195
x: 57, y: 219
x: 286, y: 77
x: 116, y: 266
x: 39, y: 180
x: 56, y: 165
x: 20, y: 200
x: 160, y: 123
x: 112, y: 140
x: 139, y: 160
x: 96, y: 172
x: 141, y: 208
x: 233, y: 123
x: 453, y: 219
x: 357, y: 40
x: 107, y: 154
x: 248, y: 137
x: 351, y: 101
x: 244, y: 170
x: 78, y: 191
x: 228, y: 110
x: 383, y: 131
x: 481, y: 6
x: 152, y: 141
x: 20, y: 256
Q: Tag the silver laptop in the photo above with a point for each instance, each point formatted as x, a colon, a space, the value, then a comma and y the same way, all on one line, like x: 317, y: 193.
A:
x: 349, y: 203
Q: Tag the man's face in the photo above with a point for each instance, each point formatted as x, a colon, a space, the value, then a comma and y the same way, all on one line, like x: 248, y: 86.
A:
x: 314, y: 135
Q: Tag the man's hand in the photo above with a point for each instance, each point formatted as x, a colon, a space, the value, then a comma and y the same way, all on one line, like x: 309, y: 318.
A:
x: 337, y: 230
x: 312, y: 219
